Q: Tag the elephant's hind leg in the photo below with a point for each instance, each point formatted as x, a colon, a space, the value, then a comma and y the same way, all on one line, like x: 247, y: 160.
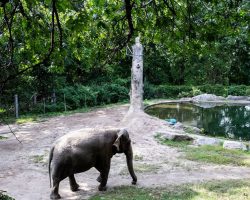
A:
x: 73, y: 185
x: 54, y: 193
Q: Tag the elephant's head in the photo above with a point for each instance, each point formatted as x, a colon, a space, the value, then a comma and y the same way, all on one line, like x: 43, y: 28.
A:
x: 123, y: 145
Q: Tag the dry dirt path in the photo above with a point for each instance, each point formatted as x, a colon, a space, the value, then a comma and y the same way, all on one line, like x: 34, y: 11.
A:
x: 24, y: 173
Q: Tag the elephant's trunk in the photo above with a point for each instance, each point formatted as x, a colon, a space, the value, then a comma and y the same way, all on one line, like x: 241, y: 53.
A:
x: 129, y: 157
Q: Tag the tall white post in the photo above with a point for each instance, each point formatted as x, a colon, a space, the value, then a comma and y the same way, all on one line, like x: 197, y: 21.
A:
x: 16, y: 106
x: 136, y: 92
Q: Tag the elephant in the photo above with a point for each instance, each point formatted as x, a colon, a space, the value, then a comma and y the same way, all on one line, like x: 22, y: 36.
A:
x: 78, y: 152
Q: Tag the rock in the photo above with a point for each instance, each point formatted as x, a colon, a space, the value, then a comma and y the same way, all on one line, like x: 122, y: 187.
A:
x: 234, y: 145
x: 206, y: 141
x: 207, y: 104
x: 178, y: 126
x: 192, y: 130
x: 186, y: 99
x: 207, y: 97
x: 238, y: 98
x: 175, y: 136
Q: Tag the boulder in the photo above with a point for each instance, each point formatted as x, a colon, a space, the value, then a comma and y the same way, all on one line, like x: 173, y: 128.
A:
x: 192, y: 129
x: 206, y: 141
x: 238, y: 98
x: 207, y: 97
x: 234, y: 145
x: 174, y: 136
x: 178, y: 126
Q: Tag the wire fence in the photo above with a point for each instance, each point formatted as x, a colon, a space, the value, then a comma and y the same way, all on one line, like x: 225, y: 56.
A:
x: 36, y: 103
x: 60, y: 101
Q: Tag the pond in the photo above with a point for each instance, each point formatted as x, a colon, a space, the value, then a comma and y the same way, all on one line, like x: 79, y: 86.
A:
x: 230, y: 121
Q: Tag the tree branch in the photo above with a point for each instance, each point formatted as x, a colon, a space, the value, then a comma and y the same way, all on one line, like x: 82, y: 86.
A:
x: 59, y: 27
x: 47, y: 56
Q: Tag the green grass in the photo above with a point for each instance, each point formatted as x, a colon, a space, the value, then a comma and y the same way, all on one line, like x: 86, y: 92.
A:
x: 3, y: 138
x: 210, y: 154
x: 223, y: 190
x: 38, y: 158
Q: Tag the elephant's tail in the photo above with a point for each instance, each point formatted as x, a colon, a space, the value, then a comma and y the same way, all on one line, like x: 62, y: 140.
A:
x: 50, y: 159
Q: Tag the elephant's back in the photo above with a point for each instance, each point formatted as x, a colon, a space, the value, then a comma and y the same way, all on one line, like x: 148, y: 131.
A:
x: 86, y: 138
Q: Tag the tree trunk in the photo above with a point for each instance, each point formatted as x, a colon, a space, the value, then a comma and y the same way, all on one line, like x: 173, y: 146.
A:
x: 136, y: 92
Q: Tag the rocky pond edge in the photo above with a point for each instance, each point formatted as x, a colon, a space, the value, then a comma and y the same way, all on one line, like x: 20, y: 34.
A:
x: 190, y: 133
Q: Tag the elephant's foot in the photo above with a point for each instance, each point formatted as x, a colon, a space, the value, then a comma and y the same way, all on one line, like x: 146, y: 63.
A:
x: 102, y: 188
x: 55, y: 196
x: 134, y: 182
x: 74, y: 187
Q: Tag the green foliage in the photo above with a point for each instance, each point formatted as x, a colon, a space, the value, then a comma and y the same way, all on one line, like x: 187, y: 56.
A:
x: 5, y: 197
x: 101, y: 93
x: 247, y: 93
x: 240, y: 90
x: 187, y: 43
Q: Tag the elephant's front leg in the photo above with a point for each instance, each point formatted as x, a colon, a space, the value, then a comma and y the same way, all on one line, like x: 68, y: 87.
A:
x: 73, y: 185
x: 104, y: 173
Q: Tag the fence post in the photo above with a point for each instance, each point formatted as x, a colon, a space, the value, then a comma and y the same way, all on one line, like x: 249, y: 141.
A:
x: 35, y: 98
x: 44, y: 105
x: 85, y: 103
x: 65, y: 106
x: 16, y: 105
x: 53, y: 99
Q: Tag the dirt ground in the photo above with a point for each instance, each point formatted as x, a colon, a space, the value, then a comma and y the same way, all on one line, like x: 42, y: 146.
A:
x: 24, y: 170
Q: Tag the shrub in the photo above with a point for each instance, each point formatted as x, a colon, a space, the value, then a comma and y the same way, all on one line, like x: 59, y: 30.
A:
x: 5, y: 197
x: 217, y: 89
x: 239, y: 90
x: 248, y: 92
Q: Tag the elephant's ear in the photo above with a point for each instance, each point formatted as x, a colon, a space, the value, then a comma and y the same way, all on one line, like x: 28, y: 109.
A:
x: 122, y: 141
x: 125, y: 137
x: 116, y: 146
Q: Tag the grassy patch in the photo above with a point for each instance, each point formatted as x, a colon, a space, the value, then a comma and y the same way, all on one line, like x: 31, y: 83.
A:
x: 223, y: 190
x: 38, y: 158
x: 210, y: 154
x: 3, y: 138
x: 218, y: 155
x: 138, y: 158
x: 171, y: 143
x: 141, y: 168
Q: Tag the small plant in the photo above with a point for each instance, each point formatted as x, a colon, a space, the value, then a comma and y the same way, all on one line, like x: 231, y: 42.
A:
x: 138, y: 158
x: 5, y: 196
x: 248, y: 92
x: 38, y: 158
x: 3, y: 138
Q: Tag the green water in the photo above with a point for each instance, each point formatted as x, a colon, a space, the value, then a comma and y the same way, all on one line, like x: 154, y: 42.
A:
x: 230, y: 121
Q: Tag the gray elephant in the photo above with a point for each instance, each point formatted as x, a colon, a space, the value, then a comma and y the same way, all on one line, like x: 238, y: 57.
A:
x: 78, y: 152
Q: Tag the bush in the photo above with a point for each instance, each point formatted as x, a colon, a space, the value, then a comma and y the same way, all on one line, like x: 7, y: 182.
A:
x: 248, y: 92
x: 79, y: 96
x: 5, y: 197
x: 239, y: 90
x: 217, y: 89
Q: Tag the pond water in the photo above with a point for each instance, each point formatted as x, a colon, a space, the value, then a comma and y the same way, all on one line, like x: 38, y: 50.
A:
x: 230, y: 121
